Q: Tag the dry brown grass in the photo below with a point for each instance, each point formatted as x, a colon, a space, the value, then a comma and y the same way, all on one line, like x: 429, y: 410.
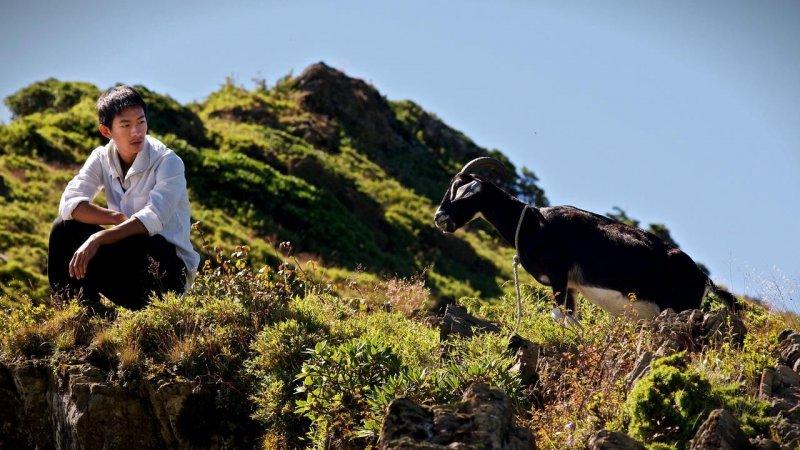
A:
x: 583, y: 387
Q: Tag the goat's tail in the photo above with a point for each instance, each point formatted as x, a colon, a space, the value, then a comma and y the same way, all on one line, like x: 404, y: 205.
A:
x: 733, y: 303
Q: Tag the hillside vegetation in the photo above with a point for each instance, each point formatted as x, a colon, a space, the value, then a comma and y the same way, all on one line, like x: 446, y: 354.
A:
x: 322, y: 292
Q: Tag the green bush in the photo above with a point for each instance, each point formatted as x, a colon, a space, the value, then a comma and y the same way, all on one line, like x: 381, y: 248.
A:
x: 669, y: 403
x: 50, y: 95
x: 337, y: 382
x: 279, y: 352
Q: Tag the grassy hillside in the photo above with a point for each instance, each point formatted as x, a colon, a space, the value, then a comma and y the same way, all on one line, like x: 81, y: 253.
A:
x: 321, y: 160
x: 313, y: 201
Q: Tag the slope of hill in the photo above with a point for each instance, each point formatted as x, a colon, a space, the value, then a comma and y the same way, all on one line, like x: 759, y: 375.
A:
x: 321, y: 160
x: 309, y: 344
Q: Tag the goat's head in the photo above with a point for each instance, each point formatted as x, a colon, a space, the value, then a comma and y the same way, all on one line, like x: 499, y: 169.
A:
x: 462, y: 201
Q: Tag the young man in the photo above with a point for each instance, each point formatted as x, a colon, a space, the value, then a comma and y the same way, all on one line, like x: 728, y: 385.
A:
x: 147, y: 248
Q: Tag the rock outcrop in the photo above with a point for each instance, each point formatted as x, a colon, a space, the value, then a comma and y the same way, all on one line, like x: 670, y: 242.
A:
x: 780, y: 386
x: 483, y: 420
x: 76, y: 406
x: 720, y: 431
x: 613, y: 440
x: 692, y: 329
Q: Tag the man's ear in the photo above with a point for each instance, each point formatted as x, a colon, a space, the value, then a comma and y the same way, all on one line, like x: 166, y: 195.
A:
x: 104, y: 130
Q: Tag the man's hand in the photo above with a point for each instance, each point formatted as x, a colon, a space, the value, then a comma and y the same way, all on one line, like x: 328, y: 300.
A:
x: 84, y: 254
x: 80, y: 260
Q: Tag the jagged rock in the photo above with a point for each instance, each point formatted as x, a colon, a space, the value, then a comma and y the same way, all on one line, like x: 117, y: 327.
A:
x: 788, y: 431
x: 720, y: 431
x: 526, y: 355
x: 11, y: 431
x: 691, y: 330
x: 675, y: 332
x: 457, y: 320
x: 482, y: 420
x: 168, y: 400
x: 789, y: 353
x: 786, y: 376
x: 613, y: 440
x: 723, y: 326
x: 767, y: 381
x: 789, y: 335
x: 75, y: 406
x: 765, y: 444
x: 330, y: 93
x: 406, y: 418
x: 640, y: 368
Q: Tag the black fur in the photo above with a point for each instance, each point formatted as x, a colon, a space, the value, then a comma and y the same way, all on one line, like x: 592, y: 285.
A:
x: 610, y: 254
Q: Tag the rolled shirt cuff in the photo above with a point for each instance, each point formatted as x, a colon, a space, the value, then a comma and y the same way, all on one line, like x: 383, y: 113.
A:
x: 150, y: 220
x: 70, y: 205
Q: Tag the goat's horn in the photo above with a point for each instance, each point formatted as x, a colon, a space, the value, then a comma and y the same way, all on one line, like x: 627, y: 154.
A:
x: 484, y: 161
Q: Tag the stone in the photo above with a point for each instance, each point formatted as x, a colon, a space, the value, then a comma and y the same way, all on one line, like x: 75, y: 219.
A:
x: 723, y: 326
x: 720, y: 431
x: 789, y: 353
x: 764, y: 444
x: 458, y: 321
x: 12, y: 435
x: 404, y: 418
x: 640, y: 368
x: 613, y: 440
x: 483, y: 419
x: 783, y: 335
x: 786, y: 376
x: 526, y: 355
x: 76, y: 406
x: 766, y: 383
x: 789, y: 432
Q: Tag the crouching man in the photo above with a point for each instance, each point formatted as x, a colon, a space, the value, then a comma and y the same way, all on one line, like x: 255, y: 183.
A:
x: 147, y: 247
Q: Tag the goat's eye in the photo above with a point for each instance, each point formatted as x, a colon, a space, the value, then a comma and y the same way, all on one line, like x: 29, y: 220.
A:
x: 467, y: 190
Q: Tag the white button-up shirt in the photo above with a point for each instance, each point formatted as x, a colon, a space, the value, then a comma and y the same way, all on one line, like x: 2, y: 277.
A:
x: 153, y: 191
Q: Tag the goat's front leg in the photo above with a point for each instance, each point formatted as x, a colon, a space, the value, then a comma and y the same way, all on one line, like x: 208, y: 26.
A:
x: 562, y: 296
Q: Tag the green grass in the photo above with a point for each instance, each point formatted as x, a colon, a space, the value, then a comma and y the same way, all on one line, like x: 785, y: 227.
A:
x: 362, y: 263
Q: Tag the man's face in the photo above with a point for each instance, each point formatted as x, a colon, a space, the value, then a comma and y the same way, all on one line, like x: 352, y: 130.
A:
x: 128, y: 130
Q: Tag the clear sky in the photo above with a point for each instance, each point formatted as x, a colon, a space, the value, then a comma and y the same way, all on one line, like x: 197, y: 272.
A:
x: 681, y: 112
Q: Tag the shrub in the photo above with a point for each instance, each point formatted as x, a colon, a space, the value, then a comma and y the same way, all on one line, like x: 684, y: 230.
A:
x: 38, y: 331
x: 337, y: 382
x: 668, y: 404
x: 50, y: 95
x: 279, y: 353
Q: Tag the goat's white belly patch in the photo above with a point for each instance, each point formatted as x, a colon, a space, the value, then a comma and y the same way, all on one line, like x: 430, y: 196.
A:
x: 618, y: 304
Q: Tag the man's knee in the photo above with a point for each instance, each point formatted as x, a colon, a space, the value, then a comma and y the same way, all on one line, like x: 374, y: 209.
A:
x: 61, y: 227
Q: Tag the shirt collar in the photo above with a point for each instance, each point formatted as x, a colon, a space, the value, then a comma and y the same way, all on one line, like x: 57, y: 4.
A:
x: 140, y: 163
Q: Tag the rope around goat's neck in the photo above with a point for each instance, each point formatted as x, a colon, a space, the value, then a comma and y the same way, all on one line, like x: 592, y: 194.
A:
x: 515, y: 264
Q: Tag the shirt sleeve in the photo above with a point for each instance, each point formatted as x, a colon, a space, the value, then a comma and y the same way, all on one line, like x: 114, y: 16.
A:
x: 163, y: 199
x: 83, y: 187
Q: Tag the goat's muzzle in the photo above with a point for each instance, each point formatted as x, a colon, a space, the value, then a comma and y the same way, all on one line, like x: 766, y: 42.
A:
x: 443, y: 222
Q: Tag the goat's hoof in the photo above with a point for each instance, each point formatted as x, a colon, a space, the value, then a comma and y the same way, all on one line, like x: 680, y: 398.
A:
x: 565, y: 320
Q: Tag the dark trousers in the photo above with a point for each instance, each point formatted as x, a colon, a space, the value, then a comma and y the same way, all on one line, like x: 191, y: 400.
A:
x: 126, y: 272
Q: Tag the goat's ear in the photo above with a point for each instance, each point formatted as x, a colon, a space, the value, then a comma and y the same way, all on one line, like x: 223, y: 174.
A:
x: 467, y: 190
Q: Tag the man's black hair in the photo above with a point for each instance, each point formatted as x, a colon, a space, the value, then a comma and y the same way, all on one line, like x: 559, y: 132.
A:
x: 114, y: 100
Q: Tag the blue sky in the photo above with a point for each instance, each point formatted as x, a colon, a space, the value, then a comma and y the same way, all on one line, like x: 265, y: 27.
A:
x: 679, y: 112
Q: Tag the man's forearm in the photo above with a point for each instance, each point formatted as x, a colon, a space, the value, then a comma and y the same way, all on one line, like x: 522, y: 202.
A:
x: 130, y: 227
x: 88, y: 212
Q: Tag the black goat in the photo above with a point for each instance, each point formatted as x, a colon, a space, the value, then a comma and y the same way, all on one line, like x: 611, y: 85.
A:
x: 620, y: 268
